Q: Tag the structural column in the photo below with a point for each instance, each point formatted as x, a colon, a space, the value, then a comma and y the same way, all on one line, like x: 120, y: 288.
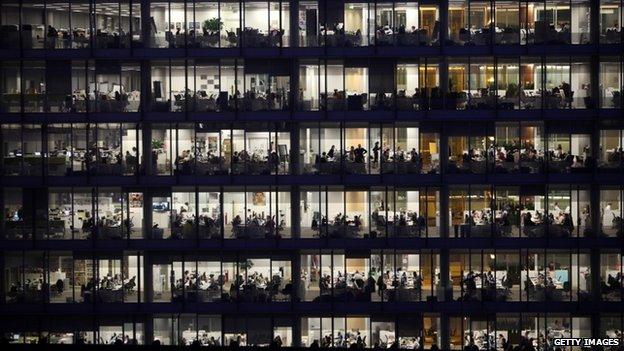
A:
x: 443, y: 35
x: 294, y: 23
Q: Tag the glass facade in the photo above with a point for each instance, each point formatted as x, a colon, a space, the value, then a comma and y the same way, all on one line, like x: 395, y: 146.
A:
x: 412, y: 174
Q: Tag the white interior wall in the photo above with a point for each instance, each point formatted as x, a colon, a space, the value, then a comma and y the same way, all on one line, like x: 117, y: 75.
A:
x: 159, y: 13
x: 411, y: 79
x: 230, y: 16
x: 310, y: 82
x: 412, y: 198
x: 413, y: 262
x: 334, y: 78
x: 580, y: 18
x: 329, y: 137
x: 335, y: 204
x: 413, y: 139
x: 233, y: 205
x: 178, y: 80
x: 580, y: 77
x: 128, y: 141
x: 228, y: 80
x: 163, y: 219
x: 312, y: 200
x: 579, y: 142
x: 257, y: 16
x: 203, y: 13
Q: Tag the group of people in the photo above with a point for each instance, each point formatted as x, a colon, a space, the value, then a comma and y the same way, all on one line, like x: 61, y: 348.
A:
x: 355, y: 158
x: 253, y: 37
x: 613, y: 285
x: 340, y: 226
x: 377, y: 285
x: 473, y: 161
x: 109, y: 160
x: 564, y: 162
x: 257, y: 225
x: 403, y: 223
x: 351, y: 339
x: 112, y: 287
x: 258, y: 162
x: 384, y: 35
x: 249, y: 287
x: 511, y: 158
x: 184, y: 223
x: 30, y: 289
x: 487, y: 282
x: 250, y: 100
x: 401, y: 35
x: 193, y: 281
x: 63, y: 39
x: 560, y: 222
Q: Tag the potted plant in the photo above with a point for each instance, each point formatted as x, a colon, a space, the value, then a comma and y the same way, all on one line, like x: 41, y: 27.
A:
x: 211, y: 28
x: 512, y: 90
x: 157, y: 144
x: 245, y: 266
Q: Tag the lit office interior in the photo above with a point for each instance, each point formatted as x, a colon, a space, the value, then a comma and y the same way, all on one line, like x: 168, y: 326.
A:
x: 366, y: 148
x: 66, y: 277
x: 203, y: 85
x: 371, y: 331
x: 71, y: 86
x: 105, y: 330
x: 104, y: 148
x: 521, y: 275
x: 22, y: 149
x: 611, y: 211
x: 519, y: 148
x: 610, y: 157
x: 519, y: 22
x: 611, y: 21
x: 512, y: 211
x: 221, y: 85
x: 527, y: 83
x: 356, y: 24
x: 226, y: 23
x: 526, y: 211
x: 611, y: 82
x: 72, y: 24
x: 389, y: 276
x: 611, y: 263
x: 358, y: 173
x: 333, y: 212
x: 222, y: 278
x: 200, y: 24
x: 217, y: 330
x: 496, y: 331
x: 356, y: 85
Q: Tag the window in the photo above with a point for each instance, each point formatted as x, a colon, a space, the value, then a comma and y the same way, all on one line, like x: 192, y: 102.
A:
x: 611, y: 82
x: 611, y: 21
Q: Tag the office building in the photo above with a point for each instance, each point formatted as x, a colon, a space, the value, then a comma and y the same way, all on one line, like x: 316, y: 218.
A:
x: 312, y: 172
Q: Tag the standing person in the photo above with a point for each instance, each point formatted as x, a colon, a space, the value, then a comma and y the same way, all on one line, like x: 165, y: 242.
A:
x: 359, y: 154
x: 376, y: 149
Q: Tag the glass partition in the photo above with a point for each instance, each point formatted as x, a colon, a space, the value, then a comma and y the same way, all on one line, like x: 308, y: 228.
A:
x: 611, y: 21
x: 611, y: 82
x: 611, y: 263
x: 256, y: 213
x: 24, y: 277
x: 517, y: 148
x: 569, y: 153
x: 611, y: 212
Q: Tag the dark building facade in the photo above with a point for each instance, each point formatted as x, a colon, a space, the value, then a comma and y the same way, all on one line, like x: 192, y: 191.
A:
x: 322, y: 172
